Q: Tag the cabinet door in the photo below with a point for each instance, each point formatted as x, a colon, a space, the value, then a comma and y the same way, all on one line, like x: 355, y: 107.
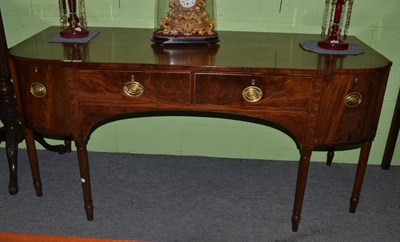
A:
x: 347, y: 110
x: 44, y: 98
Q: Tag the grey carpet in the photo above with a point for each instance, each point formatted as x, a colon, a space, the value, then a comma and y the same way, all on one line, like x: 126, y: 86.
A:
x: 172, y: 198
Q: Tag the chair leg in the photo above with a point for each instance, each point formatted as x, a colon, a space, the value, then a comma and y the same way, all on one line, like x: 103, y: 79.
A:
x: 11, y: 133
x: 60, y: 149
x: 392, y: 137
x: 330, y: 155
x: 12, y: 141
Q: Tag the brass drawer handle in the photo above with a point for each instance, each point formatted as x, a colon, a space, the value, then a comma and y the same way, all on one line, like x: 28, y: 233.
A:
x: 133, y: 89
x: 252, y: 94
x: 38, y: 89
x: 353, y: 99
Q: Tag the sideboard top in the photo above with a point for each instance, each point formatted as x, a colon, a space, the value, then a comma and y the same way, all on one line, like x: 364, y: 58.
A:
x: 114, y: 46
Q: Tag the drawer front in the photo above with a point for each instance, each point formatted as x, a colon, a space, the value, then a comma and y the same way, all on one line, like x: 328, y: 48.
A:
x: 291, y: 92
x: 133, y: 86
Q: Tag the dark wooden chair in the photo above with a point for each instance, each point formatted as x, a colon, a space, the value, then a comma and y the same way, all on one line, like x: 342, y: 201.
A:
x: 11, y: 132
x: 392, y: 138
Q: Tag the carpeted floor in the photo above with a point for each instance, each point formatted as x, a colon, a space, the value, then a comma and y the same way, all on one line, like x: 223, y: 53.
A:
x: 172, y: 198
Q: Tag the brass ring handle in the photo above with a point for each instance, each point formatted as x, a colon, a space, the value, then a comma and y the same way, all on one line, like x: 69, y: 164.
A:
x: 353, y: 99
x: 38, y: 89
x: 252, y: 94
x: 133, y: 89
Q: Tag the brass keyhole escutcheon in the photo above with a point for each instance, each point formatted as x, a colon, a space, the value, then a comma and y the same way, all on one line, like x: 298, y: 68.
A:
x: 353, y: 99
x: 38, y: 89
x: 252, y: 93
x: 133, y: 89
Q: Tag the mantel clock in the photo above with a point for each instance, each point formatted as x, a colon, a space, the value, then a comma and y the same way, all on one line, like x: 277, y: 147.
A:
x: 185, y: 21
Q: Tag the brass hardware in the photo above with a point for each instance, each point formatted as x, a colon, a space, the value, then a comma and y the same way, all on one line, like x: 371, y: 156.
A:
x: 252, y: 93
x: 353, y: 99
x: 133, y: 88
x: 38, y: 89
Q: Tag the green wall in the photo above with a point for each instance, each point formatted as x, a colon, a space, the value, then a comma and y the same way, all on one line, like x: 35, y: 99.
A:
x: 374, y: 22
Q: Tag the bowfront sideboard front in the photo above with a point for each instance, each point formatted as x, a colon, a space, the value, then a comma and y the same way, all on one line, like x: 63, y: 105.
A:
x: 321, y: 101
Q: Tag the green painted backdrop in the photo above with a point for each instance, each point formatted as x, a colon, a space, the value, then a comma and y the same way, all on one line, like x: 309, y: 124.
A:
x: 374, y: 22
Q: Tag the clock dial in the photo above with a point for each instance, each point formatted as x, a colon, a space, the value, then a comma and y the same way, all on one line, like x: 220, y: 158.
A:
x: 187, y: 3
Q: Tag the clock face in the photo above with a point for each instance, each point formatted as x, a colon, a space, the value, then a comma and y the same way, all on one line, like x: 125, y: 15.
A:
x: 187, y: 3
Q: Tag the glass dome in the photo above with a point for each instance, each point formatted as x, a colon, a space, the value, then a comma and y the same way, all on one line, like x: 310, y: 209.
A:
x: 185, y: 21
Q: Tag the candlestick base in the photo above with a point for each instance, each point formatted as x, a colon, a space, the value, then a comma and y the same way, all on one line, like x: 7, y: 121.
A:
x: 71, y: 32
x: 333, y: 44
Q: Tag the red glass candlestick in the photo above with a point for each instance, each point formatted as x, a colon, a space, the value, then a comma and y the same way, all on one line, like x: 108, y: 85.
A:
x: 333, y: 41
x: 74, y: 30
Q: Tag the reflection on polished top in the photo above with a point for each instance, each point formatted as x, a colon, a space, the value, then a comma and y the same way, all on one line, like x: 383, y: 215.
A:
x: 256, y: 50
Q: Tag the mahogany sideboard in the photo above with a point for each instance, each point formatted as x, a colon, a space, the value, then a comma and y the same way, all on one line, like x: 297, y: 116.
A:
x: 321, y: 101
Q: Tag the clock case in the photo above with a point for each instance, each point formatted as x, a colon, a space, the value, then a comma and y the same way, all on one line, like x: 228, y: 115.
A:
x: 163, y: 12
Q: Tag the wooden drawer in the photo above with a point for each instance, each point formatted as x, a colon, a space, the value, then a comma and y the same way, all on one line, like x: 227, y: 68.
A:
x: 133, y: 86
x: 291, y: 92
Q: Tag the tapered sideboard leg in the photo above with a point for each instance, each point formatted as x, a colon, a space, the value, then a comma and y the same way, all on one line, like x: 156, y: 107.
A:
x: 85, y: 179
x: 361, y: 168
x: 330, y: 155
x: 33, y: 161
x: 300, y: 187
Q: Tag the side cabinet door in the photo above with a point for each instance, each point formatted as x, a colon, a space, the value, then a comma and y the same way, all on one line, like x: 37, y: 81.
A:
x: 347, y: 109
x: 44, y: 98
